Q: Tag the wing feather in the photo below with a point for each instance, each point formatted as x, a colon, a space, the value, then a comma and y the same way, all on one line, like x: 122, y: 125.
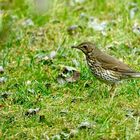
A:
x: 110, y: 63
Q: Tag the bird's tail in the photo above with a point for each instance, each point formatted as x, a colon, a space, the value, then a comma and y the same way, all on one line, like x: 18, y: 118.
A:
x: 133, y: 75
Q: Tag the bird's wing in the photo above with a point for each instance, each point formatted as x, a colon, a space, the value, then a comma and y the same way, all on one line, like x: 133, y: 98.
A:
x: 110, y: 63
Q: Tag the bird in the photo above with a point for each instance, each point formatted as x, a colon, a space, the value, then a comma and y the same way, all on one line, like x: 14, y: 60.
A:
x: 105, y: 67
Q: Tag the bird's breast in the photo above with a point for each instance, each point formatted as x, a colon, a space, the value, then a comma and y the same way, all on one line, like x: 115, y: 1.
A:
x: 102, y: 74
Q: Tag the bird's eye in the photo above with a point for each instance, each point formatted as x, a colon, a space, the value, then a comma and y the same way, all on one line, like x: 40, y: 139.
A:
x: 85, y: 46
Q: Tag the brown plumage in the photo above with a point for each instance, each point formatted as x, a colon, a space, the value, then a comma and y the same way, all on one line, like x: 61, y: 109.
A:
x: 105, y: 67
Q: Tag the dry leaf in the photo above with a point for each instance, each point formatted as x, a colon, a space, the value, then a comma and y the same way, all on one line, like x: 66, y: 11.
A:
x: 46, y: 58
x: 32, y: 111
x: 68, y: 74
x: 86, y: 125
x: 132, y: 8
x: 74, y: 77
x: 61, y: 80
x: 27, y: 22
x: 73, y: 29
x: 133, y: 12
x: 94, y: 24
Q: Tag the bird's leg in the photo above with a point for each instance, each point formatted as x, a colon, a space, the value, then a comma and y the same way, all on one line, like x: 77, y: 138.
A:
x: 112, y: 90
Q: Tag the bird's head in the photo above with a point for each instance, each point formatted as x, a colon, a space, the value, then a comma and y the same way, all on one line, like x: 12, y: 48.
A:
x: 85, y: 47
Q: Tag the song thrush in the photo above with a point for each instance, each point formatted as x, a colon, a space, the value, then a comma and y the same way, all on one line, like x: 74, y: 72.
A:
x: 105, y: 67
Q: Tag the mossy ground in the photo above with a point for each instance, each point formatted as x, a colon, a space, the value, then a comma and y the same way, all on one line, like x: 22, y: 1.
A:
x: 84, y: 100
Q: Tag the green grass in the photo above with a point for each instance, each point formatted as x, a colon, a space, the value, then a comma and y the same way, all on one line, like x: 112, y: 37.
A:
x: 19, y: 46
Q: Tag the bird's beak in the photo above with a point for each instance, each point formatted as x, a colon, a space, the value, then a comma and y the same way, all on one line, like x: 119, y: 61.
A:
x: 73, y: 46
